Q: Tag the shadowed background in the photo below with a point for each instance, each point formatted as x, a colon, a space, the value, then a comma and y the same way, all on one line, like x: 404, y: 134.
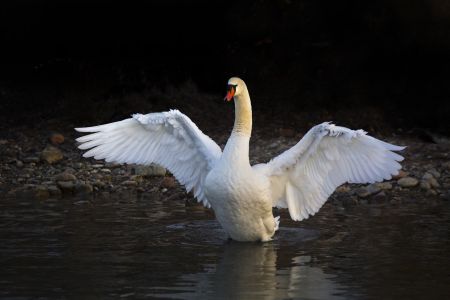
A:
x: 381, y: 66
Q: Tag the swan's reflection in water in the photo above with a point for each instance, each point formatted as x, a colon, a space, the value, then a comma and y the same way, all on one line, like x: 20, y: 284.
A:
x: 256, y: 271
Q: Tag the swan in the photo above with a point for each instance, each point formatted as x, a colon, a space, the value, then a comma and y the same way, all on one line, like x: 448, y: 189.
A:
x: 242, y: 196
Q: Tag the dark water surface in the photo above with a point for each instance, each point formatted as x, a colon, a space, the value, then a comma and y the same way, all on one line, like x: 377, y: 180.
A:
x: 147, y: 247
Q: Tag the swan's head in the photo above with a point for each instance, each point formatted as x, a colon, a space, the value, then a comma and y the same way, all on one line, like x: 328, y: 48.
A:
x: 235, y: 87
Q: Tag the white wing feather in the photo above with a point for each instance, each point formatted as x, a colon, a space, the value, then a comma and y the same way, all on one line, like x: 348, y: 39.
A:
x: 303, y: 177
x: 169, y: 139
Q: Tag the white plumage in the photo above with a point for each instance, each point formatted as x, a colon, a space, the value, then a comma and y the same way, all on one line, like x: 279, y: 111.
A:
x: 301, y: 179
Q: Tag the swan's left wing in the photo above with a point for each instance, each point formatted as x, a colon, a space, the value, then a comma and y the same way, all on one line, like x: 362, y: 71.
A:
x: 303, y: 177
x: 169, y: 139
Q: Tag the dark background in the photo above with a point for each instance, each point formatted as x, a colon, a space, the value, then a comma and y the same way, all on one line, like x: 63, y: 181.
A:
x: 373, y: 64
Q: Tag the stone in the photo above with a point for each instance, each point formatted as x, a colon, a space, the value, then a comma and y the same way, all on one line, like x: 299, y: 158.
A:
x: 104, y: 170
x: 427, y: 176
x: 137, y: 178
x: 430, y: 179
x: 168, y: 182
x: 56, y: 138
x: 434, y: 183
x: 66, y: 186
x: 401, y: 174
x: 381, y: 196
x: 366, y: 191
x: 435, y: 173
x: 51, y: 154
x: 151, y: 170
x: 446, y: 165
x: 65, y: 176
x: 425, y: 185
x: 384, y: 185
x: 54, y: 190
x: 83, y: 188
x: 129, y: 183
x: 41, y: 192
x: 407, y: 182
x: 343, y: 189
x: 431, y: 193
x: 31, y: 159
x: 19, y: 163
x: 97, y: 166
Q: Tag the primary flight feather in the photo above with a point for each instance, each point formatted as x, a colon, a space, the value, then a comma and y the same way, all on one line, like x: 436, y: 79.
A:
x: 242, y: 196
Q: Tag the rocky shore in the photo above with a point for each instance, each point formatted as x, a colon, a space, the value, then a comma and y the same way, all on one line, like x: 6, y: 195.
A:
x: 41, y: 164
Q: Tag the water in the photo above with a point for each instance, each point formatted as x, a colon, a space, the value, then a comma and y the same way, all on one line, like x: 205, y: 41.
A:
x: 150, y: 247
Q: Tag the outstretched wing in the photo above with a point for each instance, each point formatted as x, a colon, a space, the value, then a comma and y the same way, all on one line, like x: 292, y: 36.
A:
x: 169, y: 139
x: 303, y: 177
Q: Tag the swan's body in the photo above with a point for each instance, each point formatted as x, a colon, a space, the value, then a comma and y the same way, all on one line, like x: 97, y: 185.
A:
x: 242, y: 196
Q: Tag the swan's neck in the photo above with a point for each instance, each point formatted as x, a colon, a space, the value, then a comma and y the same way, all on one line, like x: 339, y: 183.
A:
x: 237, y: 148
x: 243, y: 114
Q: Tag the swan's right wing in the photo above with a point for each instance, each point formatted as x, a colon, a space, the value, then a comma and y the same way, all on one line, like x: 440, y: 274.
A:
x: 303, y: 177
x: 169, y: 139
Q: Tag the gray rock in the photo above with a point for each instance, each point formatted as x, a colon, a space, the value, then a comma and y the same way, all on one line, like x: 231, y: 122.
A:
x: 19, y: 163
x: 41, y: 192
x: 384, y: 185
x: 427, y: 176
x: 54, y: 190
x: 83, y: 188
x: 434, y: 183
x: 425, y: 185
x: 430, y: 179
x: 51, y: 154
x: 129, y: 183
x: 407, y: 182
x: 151, y: 170
x: 66, y: 186
x: 65, y: 176
x: 435, y: 173
x: 31, y: 159
x: 97, y: 166
x: 105, y: 170
x: 366, y: 191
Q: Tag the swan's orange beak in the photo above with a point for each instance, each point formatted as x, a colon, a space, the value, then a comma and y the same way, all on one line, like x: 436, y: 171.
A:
x: 231, y: 89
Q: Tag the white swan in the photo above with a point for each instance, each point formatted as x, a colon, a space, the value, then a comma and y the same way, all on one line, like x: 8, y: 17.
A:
x: 242, y: 196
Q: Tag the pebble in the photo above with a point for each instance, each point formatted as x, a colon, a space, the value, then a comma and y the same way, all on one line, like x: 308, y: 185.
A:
x: 384, y: 185
x: 42, y: 192
x: 380, y: 196
x: 19, y: 163
x: 83, y: 188
x: 56, y: 138
x: 429, y: 179
x: 129, y: 183
x: 54, y: 190
x: 65, y: 176
x: 151, y: 170
x: 97, y: 166
x: 401, y: 174
x: 366, y: 191
x: 168, y: 182
x: 446, y: 165
x: 431, y: 193
x: 31, y: 159
x: 66, y: 186
x: 425, y: 185
x: 51, y: 154
x: 343, y: 189
x: 407, y: 182
x: 105, y: 170
x: 435, y: 173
